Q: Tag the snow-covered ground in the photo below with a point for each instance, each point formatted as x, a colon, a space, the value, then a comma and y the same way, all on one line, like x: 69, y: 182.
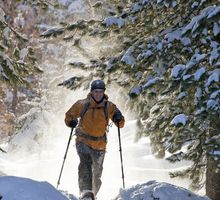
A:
x: 15, y: 188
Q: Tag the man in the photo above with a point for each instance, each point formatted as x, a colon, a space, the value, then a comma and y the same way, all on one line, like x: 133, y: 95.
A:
x: 94, y: 113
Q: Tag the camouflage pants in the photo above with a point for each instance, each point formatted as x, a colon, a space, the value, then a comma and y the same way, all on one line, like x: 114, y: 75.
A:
x: 90, y: 167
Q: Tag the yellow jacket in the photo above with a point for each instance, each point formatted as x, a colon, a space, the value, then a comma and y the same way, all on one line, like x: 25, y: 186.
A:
x: 94, y: 121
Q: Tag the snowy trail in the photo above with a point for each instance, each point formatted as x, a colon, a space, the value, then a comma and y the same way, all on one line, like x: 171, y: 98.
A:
x: 139, y: 165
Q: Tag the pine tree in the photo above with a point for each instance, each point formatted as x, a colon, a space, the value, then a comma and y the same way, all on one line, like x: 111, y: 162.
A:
x: 173, y: 59
x: 17, y: 59
x: 18, y: 66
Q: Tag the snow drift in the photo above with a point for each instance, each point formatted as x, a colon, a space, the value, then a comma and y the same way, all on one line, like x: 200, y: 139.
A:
x: 17, y: 188
x: 154, y: 190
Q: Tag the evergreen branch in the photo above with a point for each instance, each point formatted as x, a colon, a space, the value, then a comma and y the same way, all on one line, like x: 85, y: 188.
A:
x: 16, y: 33
x: 2, y: 150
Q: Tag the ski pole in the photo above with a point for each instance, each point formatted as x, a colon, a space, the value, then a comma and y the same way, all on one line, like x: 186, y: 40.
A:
x: 120, y: 150
x: 58, y: 182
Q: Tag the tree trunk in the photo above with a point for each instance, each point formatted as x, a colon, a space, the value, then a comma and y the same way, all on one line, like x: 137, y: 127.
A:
x: 213, y: 171
x: 212, y: 180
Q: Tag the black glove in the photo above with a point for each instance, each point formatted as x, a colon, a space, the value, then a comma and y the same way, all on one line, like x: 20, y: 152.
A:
x: 117, y: 117
x: 73, y: 123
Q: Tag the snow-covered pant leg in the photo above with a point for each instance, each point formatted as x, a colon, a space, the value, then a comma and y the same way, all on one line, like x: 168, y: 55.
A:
x: 90, y: 167
x: 85, y: 168
x: 97, y: 168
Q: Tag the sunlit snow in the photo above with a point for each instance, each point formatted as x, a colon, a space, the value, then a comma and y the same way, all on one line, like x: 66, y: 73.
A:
x: 17, y: 188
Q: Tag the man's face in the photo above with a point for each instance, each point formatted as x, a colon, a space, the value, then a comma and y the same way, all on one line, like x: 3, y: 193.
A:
x: 98, y: 94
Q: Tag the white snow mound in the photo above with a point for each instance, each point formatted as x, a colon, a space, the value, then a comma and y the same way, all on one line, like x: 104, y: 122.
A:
x: 16, y: 188
x: 154, y: 190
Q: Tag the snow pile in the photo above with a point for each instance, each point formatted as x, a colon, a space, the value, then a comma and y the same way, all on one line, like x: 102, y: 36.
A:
x: 179, y: 119
x: 16, y: 188
x: 109, y: 21
x: 76, y: 7
x: 153, y: 190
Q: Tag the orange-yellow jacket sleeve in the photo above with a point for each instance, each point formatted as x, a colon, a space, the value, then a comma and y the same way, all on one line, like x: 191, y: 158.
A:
x: 113, y: 108
x: 73, y: 112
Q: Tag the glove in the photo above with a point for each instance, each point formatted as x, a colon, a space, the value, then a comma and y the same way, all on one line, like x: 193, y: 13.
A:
x: 73, y: 123
x: 117, y: 117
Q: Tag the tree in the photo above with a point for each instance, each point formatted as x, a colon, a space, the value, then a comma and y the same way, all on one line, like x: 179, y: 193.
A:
x: 17, y: 59
x: 172, y: 59
x: 18, y: 66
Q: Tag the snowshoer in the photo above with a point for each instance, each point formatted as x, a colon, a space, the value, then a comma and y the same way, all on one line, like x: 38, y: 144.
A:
x: 94, y: 113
